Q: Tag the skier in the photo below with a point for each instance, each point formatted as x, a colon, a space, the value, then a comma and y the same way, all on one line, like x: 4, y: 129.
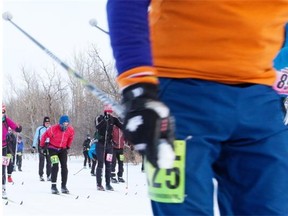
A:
x: 86, y: 147
x: 118, y: 154
x: 60, y: 138
x: 209, y: 64
x: 93, y: 156
x: 6, y: 123
x: 11, y: 141
x: 43, y: 156
x: 19, y: 154
x: 104, y: 150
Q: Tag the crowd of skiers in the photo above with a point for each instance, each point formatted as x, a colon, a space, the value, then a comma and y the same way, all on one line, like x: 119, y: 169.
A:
x: 52, y: 142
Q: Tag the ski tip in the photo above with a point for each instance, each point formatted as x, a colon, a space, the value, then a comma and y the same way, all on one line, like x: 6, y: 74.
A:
x: 21, y: 203
x: 6, y: 203
x: 135, y: 193
x: 22, y: 183
x: 76, y: 197
x: 126, y: 193
x: 88, y: 196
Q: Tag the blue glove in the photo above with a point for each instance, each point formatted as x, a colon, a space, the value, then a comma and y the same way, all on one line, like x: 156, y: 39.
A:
x: 148, y: 124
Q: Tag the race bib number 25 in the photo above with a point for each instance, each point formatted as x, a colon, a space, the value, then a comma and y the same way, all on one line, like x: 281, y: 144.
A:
x: 168, y: 185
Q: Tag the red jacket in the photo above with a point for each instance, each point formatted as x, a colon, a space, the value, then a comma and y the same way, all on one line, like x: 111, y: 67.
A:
x: 58, y: 139
x: 118, y: 138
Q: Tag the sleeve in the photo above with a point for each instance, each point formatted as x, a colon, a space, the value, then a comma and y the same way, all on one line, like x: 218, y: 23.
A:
x: 35, y: 138
x: 70, y: 138
x: 130, y: 41
x: 118, y: 123
x: 44, y: 137
x: 11, y: 124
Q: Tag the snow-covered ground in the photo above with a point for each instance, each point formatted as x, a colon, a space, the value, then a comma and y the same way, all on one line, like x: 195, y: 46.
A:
x: 130, y: 198
x: 84, y: 198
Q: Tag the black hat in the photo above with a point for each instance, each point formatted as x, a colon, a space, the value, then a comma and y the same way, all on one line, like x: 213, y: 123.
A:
x: 46, y: 119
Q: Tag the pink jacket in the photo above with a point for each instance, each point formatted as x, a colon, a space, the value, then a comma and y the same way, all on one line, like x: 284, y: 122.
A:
x: 58, y: 139
x: 7, y: 123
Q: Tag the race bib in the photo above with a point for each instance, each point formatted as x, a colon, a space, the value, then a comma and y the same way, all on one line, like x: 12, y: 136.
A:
x: 5, y: 160
x: 168, y: 185
x: 121, y: 157
x: 54, y: 159
x: 281, y: 83
x: 109, y: 157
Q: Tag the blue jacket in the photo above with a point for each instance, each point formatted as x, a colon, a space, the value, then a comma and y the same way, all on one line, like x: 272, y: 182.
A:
x: 92, y: 151
x: 281, y: 60
x: 20, y: 146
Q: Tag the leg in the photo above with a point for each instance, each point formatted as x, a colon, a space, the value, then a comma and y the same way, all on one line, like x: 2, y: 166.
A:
x: 41, y: 165
x: 100, y: 157
x: 255, y: 158
x: 113, y: 167
x: 48, y: 166
x: 54, y: 169
x: 64, y: 169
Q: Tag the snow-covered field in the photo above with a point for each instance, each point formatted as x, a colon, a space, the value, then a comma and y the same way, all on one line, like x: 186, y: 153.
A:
x: 84, y: 198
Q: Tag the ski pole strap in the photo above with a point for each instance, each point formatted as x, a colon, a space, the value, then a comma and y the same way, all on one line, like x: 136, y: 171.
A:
x: 168, y: 185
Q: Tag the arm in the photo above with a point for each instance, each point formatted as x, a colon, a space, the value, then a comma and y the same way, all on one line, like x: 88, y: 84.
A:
x: 147, y: 122
x: 14, y: 126
x: 70, y: 138
x: 35, y: 138
x: 44, y: 137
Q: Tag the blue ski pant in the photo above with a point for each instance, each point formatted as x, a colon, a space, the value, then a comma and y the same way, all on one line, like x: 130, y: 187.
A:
x: 238, y: 138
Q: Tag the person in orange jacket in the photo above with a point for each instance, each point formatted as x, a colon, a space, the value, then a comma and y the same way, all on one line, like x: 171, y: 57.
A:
x: 60, y: 137
x: 206, y: 67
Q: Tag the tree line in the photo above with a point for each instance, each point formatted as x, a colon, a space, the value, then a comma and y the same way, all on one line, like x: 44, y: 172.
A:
x: 51, y: 92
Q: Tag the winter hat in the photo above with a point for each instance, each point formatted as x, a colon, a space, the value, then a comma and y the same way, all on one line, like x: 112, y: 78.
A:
x: 64, y: 118
x: 46, y: 119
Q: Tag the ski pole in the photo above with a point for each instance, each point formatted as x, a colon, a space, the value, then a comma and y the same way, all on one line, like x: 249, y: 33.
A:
x: 79, y: 171
x: 102, y: 96
x: 93, y: 22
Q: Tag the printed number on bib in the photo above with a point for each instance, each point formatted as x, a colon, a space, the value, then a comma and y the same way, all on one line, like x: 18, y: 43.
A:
x: 281, y: 83
x: 54, y: 159
x: 168, y: 185
x: 5, y: 160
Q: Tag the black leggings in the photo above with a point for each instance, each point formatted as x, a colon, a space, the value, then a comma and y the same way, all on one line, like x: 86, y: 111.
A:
x: 103, y: 157
x: 56, y: 157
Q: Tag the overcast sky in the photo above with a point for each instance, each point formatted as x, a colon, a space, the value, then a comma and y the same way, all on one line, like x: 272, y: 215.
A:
x: 62, y: 26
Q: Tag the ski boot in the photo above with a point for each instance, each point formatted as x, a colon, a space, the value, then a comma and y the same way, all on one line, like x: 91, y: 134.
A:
x: 100, y: 188
x: 114, y: 180
x: 120, y: 179
x: 10, y: 180
x: 4, y: 194
x: 41, y: 178
x: 54, y: 189
x: 109, y: 187
x: 64, y: 190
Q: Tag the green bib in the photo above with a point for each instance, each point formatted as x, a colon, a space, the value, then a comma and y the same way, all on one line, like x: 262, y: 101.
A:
x: 168, y: 185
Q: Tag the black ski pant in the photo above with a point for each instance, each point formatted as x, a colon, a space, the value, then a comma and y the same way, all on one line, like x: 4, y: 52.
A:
x: 118, y: 157
x: 94, y: 162
x: 59, y: 156
x: 42, y: 159
x: 86, y: 158
x: 19, y: 160
x: 4, y: 153
x: 104, y: 156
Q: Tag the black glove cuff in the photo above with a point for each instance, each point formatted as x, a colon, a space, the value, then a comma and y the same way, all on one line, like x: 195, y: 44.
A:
x: 140, y: 90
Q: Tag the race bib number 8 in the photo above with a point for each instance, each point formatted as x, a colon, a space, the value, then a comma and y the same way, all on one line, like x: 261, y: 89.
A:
x: 168, y: 185
x: 281, y: 83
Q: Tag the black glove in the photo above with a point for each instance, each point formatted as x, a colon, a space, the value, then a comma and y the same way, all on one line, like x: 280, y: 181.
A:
x: 43, y: 151
x: 33, y: 150
x: 18, y: 129
x: 148, y: 124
